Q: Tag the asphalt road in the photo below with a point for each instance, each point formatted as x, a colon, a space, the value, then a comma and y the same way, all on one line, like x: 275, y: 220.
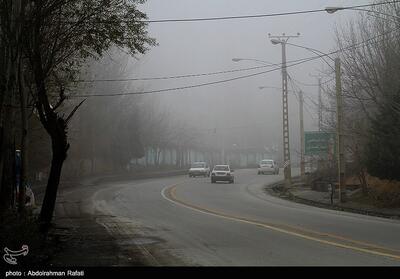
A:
x: 189, y: 221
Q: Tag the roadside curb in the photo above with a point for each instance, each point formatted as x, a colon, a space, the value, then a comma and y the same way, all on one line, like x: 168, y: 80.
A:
x: 278, y: 189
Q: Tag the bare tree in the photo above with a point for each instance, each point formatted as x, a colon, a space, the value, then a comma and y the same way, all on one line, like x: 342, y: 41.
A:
x: 60, y: 36
x: 371, y: 86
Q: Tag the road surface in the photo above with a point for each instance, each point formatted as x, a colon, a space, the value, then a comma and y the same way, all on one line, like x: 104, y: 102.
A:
x: 189, y: 221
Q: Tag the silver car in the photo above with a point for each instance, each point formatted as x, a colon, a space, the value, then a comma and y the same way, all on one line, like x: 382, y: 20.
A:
x: 199, y: 169
x: 268, y: 166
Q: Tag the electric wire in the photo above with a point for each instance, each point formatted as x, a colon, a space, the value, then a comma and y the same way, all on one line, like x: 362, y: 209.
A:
x: 356, y: 45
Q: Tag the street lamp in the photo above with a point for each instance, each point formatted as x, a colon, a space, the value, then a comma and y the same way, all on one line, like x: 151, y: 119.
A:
x: 275, y: 41
x: 332, y: 10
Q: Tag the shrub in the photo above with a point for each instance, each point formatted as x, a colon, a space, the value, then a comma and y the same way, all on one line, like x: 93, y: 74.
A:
x: 385, y: 192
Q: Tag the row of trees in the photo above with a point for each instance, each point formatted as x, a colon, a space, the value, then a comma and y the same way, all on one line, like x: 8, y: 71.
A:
x: 109, y: 133
x: 43, y: 46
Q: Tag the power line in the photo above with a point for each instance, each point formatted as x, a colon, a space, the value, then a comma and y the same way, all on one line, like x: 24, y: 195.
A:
x: 265, y: 15
x: 189, y: 86
x: 225, y: 17
x: 236, y: 78
x: 294, y: 85
x: 184, y: 76
x: 311, y: 101
x: 234, y: 17
x: 306, y: 96
x: 173, y: 77
x: 322, y: 55
x: 168, y: 77
x: 226, y: 71
x: 313, y: 85
x: 307, y: 107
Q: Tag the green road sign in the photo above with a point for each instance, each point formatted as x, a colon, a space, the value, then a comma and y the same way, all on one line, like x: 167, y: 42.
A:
x: 319, y: 143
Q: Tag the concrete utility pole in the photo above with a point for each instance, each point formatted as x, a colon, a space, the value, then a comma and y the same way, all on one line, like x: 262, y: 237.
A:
x: 319, y: 101
x: 302, y: 163
x: 319, y: 163
x: 319, y: 105
x: 283, y: 39
x: 339, y: 134
x: 339, y: 128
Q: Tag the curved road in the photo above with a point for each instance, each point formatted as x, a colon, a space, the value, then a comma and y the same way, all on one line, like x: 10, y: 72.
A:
x: 189, y: 221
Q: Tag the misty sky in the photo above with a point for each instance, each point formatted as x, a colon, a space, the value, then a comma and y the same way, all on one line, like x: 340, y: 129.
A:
x: 203, y: 47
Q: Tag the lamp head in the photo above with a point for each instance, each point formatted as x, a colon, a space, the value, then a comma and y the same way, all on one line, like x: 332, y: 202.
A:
x: 331, y: 10
x: 275, y: 41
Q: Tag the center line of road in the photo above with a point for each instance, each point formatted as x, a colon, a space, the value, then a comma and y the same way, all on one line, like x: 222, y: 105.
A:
x: 169, y: 193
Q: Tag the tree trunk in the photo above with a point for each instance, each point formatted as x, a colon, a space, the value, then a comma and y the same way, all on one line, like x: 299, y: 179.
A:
x: 24, y: 142
x: 363, y: 182
x: 179, y: 158
x: 56, y: 127
x: 146, y: 159
x: 49, y: 201
x: 7, y: 162
x: 3, y: 74
x: 7, y: 151
x: 6, y: 115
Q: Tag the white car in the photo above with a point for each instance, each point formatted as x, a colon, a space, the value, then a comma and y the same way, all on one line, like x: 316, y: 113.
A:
x: 268, y: 166
x: 222, y: 173
x: 199, y: 169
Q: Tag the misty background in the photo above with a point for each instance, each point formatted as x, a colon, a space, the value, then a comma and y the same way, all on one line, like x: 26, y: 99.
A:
x: 229, y: 115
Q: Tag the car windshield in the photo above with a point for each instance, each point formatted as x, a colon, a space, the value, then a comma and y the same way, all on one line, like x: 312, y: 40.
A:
x: 266, y: 162
x: 221, y: 168
x: 198, y: 165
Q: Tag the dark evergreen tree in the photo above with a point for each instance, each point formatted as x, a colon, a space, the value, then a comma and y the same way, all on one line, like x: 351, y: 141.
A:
x: 383, y: 149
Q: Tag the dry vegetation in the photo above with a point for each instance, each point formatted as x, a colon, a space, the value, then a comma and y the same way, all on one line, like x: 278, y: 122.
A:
x: 385, y: 193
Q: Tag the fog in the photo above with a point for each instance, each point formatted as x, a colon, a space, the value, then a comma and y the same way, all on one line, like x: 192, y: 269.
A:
x: 234, y: 114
